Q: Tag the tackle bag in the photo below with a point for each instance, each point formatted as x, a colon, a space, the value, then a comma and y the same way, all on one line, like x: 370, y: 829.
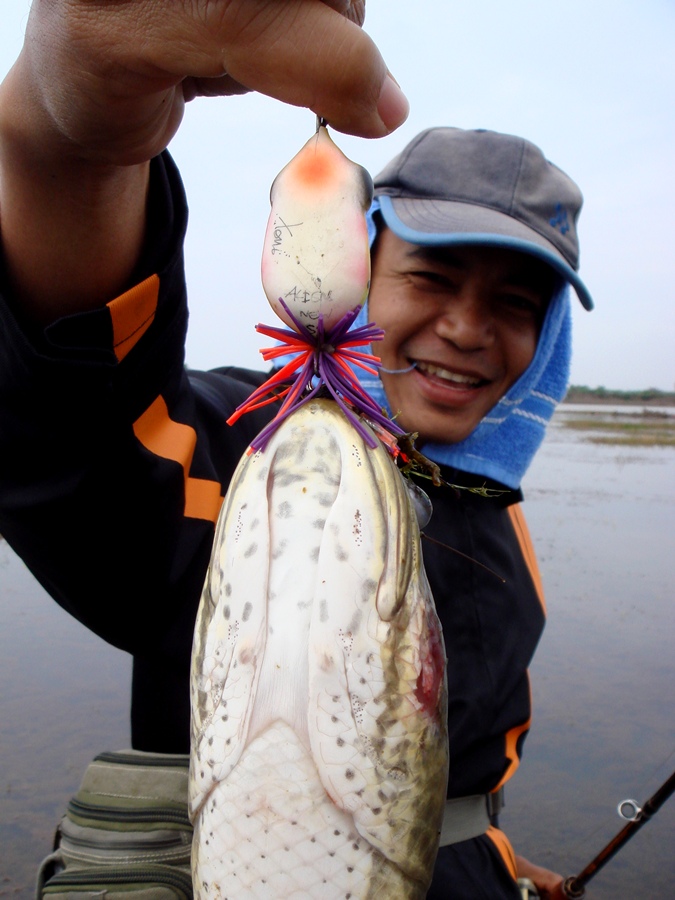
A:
x: 126, y: 832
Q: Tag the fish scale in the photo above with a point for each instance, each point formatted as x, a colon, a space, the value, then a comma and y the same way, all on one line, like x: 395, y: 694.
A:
x: 319, y: 750
x: 269, y: 854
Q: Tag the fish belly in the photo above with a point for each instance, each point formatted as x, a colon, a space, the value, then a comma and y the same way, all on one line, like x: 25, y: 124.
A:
x: 319, y: 751
x: 270, y: 830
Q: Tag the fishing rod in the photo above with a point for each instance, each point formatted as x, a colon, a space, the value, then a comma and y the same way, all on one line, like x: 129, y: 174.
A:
x: 574, y: 886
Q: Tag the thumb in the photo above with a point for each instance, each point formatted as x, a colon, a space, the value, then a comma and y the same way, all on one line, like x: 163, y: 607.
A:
x: 305, y: 53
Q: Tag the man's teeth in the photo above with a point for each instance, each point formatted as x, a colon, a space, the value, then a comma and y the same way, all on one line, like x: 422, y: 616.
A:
x: 446, y: 375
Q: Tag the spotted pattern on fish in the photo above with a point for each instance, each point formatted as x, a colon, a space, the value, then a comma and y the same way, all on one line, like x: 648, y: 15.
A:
x: 319, y: 751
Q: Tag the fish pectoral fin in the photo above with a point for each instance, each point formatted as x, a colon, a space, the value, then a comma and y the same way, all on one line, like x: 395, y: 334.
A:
x: 226, y: 701
x: 230, y: 636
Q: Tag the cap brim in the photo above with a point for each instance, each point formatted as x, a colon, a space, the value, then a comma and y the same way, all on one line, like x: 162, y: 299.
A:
x: 436, y: 223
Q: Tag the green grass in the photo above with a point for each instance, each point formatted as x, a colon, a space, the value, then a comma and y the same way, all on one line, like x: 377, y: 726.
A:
x: 581, y: 394
x: 642, y: 431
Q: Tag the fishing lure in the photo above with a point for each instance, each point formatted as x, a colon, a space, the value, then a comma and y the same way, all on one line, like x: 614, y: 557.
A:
x: 316, y: 257
x: 316, y: 273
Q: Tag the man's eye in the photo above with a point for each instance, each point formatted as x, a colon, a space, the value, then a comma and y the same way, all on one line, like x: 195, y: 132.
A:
x: 424, y: 278
x: 522, y: 303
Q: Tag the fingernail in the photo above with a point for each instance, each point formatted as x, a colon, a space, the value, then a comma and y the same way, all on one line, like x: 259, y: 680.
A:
x: 392, y: 105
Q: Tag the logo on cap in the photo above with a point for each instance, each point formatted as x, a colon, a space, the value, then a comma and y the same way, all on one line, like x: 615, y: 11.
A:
x: 559, y: 220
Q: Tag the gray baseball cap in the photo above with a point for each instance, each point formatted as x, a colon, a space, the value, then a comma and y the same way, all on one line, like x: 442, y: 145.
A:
x: 451, y: 186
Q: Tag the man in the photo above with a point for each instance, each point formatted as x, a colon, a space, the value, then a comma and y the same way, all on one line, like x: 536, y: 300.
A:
x: 474, y: 247
x: 115, y: 459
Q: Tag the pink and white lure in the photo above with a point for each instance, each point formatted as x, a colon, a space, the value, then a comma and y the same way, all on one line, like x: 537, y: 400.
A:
x: 315, y: 255
x: 316, y: 274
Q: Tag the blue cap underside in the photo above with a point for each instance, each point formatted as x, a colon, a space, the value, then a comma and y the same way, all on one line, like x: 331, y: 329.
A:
x: 486, y: 239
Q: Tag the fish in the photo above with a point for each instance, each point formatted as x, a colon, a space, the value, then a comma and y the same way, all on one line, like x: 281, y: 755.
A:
x: 316, y: 257
x: 319, y: 749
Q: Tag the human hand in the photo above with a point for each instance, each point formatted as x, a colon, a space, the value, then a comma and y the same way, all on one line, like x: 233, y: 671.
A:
x: 114, y: 77
x: 100, y: 89
x: 549, y: 884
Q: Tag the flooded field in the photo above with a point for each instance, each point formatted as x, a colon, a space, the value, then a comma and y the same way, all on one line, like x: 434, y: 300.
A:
x: 602, y: 517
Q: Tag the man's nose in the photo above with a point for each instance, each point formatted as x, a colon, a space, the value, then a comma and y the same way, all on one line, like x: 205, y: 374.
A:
x: 465, y: 321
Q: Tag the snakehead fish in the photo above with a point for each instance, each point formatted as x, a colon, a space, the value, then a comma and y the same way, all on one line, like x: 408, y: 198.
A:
x: 319, y: 751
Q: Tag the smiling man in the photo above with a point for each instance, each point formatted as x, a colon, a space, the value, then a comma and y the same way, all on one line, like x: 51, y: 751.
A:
x: 474, y: 247
x: 464, y: 322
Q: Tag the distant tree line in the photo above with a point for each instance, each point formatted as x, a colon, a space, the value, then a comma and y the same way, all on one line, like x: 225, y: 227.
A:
x: 580, y: 394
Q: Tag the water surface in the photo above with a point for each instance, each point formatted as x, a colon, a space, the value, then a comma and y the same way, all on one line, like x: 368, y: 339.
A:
x: 603, y: 523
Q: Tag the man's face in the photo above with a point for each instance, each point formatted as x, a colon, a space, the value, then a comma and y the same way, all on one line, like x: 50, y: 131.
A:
x: 468, y: 318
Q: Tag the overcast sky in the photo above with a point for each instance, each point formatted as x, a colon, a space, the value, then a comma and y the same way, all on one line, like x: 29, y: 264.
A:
x: 592, y: 82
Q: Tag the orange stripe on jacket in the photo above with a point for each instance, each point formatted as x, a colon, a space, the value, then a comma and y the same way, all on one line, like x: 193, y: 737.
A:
x: 497, y: 836
x: 510, y: 750
x: 132, y: 314
x: 527, y: 549
x: 503, y: 845
x: 171, y: 440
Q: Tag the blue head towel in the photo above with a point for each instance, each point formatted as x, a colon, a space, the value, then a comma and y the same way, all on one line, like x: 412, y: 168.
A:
x: 503, y: 444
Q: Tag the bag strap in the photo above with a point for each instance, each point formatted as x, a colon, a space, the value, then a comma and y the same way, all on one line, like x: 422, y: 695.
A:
x: 48, y: 868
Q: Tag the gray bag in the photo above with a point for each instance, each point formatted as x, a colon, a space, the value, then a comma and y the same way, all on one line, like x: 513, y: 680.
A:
x: 126, y: 832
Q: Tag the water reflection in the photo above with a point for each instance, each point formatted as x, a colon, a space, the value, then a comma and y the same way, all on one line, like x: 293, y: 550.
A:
x: 64, y: 697
x: 602, y: 519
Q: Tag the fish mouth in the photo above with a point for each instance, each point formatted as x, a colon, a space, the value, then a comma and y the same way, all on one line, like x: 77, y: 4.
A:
x: 451, y: 377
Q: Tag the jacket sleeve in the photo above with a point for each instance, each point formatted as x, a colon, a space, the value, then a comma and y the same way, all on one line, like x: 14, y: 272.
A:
x: 112, y: 465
